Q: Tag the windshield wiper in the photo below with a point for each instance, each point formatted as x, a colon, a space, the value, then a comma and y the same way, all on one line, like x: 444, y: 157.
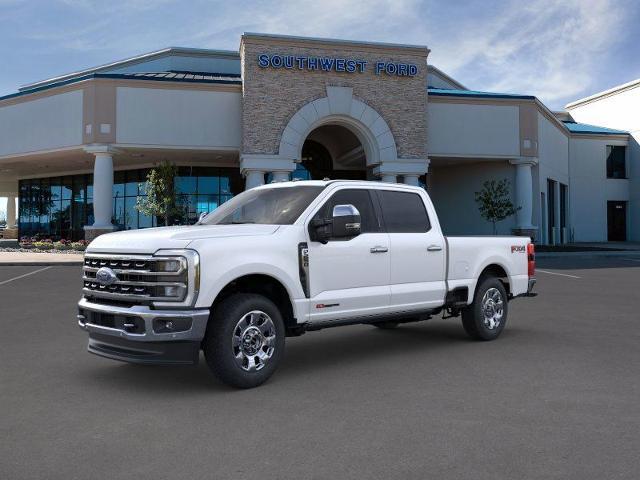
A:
x: 235, y: 222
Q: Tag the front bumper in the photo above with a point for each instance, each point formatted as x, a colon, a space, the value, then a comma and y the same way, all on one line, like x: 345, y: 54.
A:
x: 139, y: 334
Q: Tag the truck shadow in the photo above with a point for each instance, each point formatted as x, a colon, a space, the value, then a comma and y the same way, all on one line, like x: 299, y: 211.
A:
x: 312, y: 353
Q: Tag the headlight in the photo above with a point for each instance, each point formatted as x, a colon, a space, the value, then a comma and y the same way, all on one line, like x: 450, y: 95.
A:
x: 181, y: 282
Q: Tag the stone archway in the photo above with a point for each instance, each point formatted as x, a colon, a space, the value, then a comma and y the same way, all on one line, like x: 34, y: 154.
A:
x: 339, y: 107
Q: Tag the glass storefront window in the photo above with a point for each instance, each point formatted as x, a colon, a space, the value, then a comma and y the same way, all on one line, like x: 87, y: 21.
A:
x: 60, y: 207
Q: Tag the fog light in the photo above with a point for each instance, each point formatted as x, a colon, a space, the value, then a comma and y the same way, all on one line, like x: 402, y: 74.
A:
x: 171, y: 292
x: 171, y: 325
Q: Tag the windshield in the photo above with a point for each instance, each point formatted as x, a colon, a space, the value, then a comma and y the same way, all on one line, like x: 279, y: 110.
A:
x: 272, y: 206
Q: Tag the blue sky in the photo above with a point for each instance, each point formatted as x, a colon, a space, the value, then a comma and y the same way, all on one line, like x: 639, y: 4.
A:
x: 557, y: 50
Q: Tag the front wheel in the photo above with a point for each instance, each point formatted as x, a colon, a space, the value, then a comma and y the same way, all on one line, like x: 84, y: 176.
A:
x: 486, y: 317
x: 245, y: 340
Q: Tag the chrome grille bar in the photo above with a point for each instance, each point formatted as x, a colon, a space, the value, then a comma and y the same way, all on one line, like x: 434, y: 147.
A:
x: 139, y: 278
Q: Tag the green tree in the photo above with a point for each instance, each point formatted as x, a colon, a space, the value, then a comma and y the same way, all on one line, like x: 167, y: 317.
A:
x: 161, y: 198
x: 494, y: 202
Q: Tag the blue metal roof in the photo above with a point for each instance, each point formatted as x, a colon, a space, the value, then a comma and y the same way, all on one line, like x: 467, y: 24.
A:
x: 575, y: 127
x: 188, y: 77
x: 444, y: 92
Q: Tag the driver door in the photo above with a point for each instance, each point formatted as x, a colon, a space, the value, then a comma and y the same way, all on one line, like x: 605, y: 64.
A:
x: 350, y: 277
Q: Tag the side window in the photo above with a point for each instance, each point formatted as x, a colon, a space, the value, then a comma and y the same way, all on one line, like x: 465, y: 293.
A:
x: 404, y: 212
x: 361, y: 199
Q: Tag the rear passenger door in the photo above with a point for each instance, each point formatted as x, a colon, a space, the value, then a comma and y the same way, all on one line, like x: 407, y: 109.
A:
x: 417, y: 252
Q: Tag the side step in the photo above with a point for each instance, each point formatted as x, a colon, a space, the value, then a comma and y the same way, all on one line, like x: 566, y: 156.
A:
x: 401, y: 317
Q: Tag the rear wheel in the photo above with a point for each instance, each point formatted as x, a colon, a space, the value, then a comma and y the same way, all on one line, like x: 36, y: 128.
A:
x: 486, y: 317
x: 245, y: 340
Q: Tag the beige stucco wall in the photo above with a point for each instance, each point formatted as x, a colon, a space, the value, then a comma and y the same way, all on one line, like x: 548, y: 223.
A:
x: 460, y: 129
x: 178, y: 117
x: 50, y: 122
x: 272, y: 96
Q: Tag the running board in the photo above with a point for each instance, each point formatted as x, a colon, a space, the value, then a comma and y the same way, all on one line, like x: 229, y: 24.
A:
x: 401, y: 317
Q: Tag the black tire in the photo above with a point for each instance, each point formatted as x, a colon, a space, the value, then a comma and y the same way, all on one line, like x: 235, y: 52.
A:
x: 386, y: 325
x: 473, y: 318
x: 223, y: 355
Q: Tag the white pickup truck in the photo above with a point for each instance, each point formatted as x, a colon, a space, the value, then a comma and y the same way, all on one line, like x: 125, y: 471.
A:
x: 285, y: 258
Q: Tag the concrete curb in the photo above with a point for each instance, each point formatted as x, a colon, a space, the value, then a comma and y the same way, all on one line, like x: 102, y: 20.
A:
x: 71, y: 263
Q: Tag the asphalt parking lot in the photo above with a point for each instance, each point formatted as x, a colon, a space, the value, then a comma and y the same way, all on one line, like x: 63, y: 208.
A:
x: 557, y: 396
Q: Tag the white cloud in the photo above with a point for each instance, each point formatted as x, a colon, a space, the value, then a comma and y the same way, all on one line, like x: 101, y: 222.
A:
x: 547, y: 48
x: 544, y: 47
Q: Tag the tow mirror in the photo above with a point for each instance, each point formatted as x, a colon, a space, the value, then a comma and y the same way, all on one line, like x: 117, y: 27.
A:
x: 345, y: 222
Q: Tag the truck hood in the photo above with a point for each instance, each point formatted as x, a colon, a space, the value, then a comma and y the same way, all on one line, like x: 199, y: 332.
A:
x: 150, y: 240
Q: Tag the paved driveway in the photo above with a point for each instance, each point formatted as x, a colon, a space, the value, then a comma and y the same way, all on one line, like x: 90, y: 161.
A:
x: 557, y: 396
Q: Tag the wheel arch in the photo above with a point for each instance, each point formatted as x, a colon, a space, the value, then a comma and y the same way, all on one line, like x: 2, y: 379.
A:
x: 262, y: 284
x: 495, y: 269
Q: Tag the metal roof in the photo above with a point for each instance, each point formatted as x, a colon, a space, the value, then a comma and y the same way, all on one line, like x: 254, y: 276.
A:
x: 135, y: 60
x: 187, y: 77
x: 444, y: 92
x: 585, y: 128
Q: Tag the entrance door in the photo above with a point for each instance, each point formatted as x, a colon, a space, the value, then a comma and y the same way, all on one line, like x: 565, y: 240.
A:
x: 617, y: 221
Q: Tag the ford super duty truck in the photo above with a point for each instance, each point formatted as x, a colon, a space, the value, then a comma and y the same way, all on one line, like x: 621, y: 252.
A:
x: 286, y: 258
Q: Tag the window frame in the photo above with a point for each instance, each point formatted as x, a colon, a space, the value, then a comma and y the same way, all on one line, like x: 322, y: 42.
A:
x: 378, y: 195
x: 608, y: 150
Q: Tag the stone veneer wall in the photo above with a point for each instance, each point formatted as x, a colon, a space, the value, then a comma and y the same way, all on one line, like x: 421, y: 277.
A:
x: 272, y: 96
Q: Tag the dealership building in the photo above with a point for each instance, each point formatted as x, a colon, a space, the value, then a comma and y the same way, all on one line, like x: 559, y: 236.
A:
x: 75, y: 149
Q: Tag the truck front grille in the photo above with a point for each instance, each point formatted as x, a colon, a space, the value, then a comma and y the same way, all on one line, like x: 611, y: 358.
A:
x: 135, y: 279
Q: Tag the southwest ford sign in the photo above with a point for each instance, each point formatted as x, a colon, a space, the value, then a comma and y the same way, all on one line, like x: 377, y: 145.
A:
x: 334, y: 64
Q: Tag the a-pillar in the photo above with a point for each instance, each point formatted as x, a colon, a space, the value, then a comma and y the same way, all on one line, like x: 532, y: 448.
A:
x: 524, y: 196
x: 102, y: 191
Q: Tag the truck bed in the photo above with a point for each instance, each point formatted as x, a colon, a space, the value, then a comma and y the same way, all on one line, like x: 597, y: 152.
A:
x: 467, y: 257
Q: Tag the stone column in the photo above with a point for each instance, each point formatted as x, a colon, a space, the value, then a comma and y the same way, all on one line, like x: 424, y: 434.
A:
x: 524, y: 196
x: 281, y: 176
x: 413, y: 180
x: 253, y: 178
x: 389, y: 178
x: 254, y: 165
x: 11, y: 212
x: 102, y: 191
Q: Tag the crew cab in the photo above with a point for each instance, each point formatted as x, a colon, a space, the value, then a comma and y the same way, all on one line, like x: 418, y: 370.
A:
x: 282, y: 259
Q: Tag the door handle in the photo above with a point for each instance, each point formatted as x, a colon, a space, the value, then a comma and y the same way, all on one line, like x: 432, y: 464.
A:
x: 379, y: 249
x: 434, y: 248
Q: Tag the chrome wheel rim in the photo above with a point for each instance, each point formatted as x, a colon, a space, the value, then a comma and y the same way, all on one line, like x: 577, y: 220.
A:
x: 254, y: 341
x: 492, y: 308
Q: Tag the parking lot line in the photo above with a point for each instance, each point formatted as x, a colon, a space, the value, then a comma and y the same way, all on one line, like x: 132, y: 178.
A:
x: 556, y: 273
x: 25, y: 275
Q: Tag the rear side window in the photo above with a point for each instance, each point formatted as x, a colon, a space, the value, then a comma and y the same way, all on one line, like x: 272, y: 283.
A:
x: 404, y: 212
x: 359, y: 199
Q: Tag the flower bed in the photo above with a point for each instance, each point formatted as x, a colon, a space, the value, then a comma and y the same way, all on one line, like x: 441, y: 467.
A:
x: 48, y: 245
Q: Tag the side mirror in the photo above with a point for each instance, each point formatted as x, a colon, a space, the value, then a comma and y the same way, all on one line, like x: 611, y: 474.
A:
x: 202, y: 216
x: 345, y: 222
